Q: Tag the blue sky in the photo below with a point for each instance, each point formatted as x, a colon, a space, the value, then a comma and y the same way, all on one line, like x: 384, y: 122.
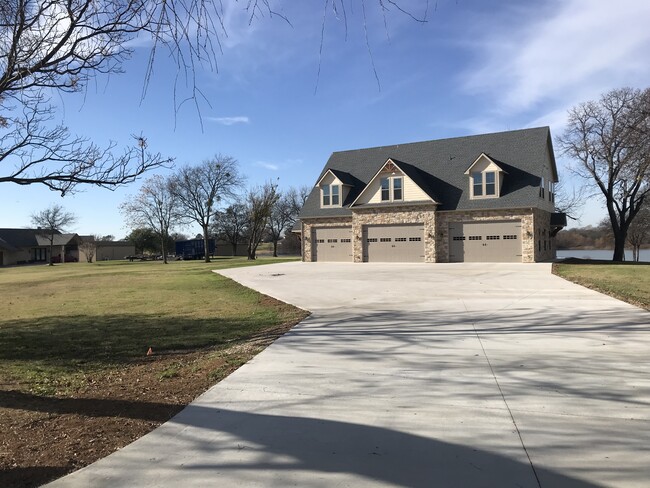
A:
x: 474, y: 67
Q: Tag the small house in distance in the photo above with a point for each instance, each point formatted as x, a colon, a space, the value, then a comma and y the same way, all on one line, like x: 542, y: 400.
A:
x: 25, y: 246
x: 482, y: 198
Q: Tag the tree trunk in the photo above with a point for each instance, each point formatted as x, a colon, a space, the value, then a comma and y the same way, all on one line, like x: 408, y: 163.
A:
x: 51, y: 263
x: 619, y: 247
x: 275, y: 248
x: 205, y: 243
x: 163, y: 248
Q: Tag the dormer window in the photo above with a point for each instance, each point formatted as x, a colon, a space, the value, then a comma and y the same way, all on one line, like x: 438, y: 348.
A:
x: 391, y: 189
x: 485, y: 178
x: 331, y: 195
x: 484, y: 184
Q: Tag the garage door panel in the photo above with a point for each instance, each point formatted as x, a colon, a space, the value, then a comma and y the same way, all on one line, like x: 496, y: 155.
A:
x: 393, y: 243
x: 485, y: 241
x: 332, y: 244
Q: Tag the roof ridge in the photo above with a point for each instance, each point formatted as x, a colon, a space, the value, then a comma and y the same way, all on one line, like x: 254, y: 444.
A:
x: 444, y: 139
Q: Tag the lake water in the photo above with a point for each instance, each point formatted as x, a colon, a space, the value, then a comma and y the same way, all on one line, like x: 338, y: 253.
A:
x: 600, y: 254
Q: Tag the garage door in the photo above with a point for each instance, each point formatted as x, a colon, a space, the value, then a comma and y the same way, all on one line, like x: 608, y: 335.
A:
x: 332, y: 243
x: 498, y: 242
x: 393, y: 243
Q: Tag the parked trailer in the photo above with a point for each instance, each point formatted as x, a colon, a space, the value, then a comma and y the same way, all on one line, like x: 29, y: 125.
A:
x: 194, y: 249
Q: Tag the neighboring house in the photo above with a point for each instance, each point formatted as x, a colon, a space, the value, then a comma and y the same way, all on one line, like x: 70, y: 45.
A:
x: 484, y: 198
x: 22, y: 246
x: 106, y: 250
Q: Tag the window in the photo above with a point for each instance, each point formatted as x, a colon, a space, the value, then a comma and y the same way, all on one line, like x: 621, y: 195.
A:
x: 475, y: 238
x: 385, y: 190
x: 459, y: 238
x: 492, y: 238
x: 490, y: 183
x: 331, y: 195
x: 511, y: 237
x: 400, y: 239
x: 477, y: 179
x: 415, y: 239
x: 326, y: 196
x: 541, y: 188
x: 384, y: 239
x: 371, y: 239
x: 346, y: 240
x: 335, y: 195
x: 331, y: 241
x: 484, y: 184
x: 397, y: 188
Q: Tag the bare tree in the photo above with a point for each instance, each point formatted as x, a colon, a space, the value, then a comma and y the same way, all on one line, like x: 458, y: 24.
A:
x: 569, y: 201
x: 156, y: 207
x: 231, y: 225
x: 285, y: 212
x: 51, y: 222
x: 89, y: 246
x: 49, y: 46
x: 200, y: 189
x: 610, y: 140
x: 259, y: 203
x: 639, y: 232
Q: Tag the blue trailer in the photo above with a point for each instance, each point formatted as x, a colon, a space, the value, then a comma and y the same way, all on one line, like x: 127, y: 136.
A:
x: 194, y: 248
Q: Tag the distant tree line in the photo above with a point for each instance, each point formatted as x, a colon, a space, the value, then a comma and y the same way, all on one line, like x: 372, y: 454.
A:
x: 213, y: 196
x: 601, y: 236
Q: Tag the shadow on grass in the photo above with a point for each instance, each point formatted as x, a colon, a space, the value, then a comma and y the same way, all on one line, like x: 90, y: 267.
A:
x: 70, y: 341
x: 89, y: 407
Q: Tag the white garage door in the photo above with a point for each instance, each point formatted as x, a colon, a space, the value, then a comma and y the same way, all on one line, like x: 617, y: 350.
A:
x: 393, y: 243
x: 490, y: 242
x: 332, y: 244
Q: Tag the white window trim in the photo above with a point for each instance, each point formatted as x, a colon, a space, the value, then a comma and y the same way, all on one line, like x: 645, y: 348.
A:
x: 497, y: 185
x: 391, y: 188
x: 331, y: 205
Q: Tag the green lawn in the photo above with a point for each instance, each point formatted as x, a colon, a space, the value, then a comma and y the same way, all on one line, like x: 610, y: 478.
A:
x: 626, y: 281
x: 58, y: 323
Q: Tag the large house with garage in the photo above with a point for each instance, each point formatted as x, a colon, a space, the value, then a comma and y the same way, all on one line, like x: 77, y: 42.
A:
x: 482, y: 198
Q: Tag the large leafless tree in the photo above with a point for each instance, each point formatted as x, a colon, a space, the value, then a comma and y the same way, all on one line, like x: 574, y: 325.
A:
x: 51, y: 46
x: 609, y: 139
x: 201, y: 189
x: 259, y: 205
x: 155, y: 206
x: 231, y: 225
x: 52, y: 221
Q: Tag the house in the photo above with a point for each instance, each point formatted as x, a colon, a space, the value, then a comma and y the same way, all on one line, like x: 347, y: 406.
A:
x: 483, y: 198
x: 103, y: 250
x: 22, y: 246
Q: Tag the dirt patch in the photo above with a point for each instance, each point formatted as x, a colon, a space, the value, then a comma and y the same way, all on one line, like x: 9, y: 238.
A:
x: 45, y: 437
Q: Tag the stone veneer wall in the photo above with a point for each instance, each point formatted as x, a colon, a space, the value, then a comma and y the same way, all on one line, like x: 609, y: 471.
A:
x: 544, y: 243
x: 527, y: 228
x: 308, y: 224
x: 412, y: 214
x: 535, y: 228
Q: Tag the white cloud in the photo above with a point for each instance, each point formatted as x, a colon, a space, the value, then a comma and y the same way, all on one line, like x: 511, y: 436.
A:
x: 266, y: 165
x: 563, y: 55
x: 240, y: 119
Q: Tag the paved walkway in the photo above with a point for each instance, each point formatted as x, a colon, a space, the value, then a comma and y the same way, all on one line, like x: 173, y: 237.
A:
x: 419, y: 376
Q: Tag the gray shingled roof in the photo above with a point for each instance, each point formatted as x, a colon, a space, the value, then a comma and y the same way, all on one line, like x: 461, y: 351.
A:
x: 439, y: 167
x: 23, y: 238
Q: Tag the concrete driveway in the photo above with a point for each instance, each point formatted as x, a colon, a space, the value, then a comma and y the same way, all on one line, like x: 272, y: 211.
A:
x: 449, y: 375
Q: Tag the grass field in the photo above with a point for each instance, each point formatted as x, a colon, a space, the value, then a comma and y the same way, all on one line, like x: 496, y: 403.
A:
x: 626, y: 281
x: 60, y: 321
x: 73, y: 353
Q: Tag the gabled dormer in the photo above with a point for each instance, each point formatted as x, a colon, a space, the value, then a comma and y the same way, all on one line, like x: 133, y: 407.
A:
x: 485, y: 178
x: 395, y: 182
x: 334, y: 187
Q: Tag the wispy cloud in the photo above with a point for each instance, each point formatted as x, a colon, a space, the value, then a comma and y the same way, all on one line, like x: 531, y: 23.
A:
x: 577, y: 50
x: 240, y: 119
x: 266, y: 165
